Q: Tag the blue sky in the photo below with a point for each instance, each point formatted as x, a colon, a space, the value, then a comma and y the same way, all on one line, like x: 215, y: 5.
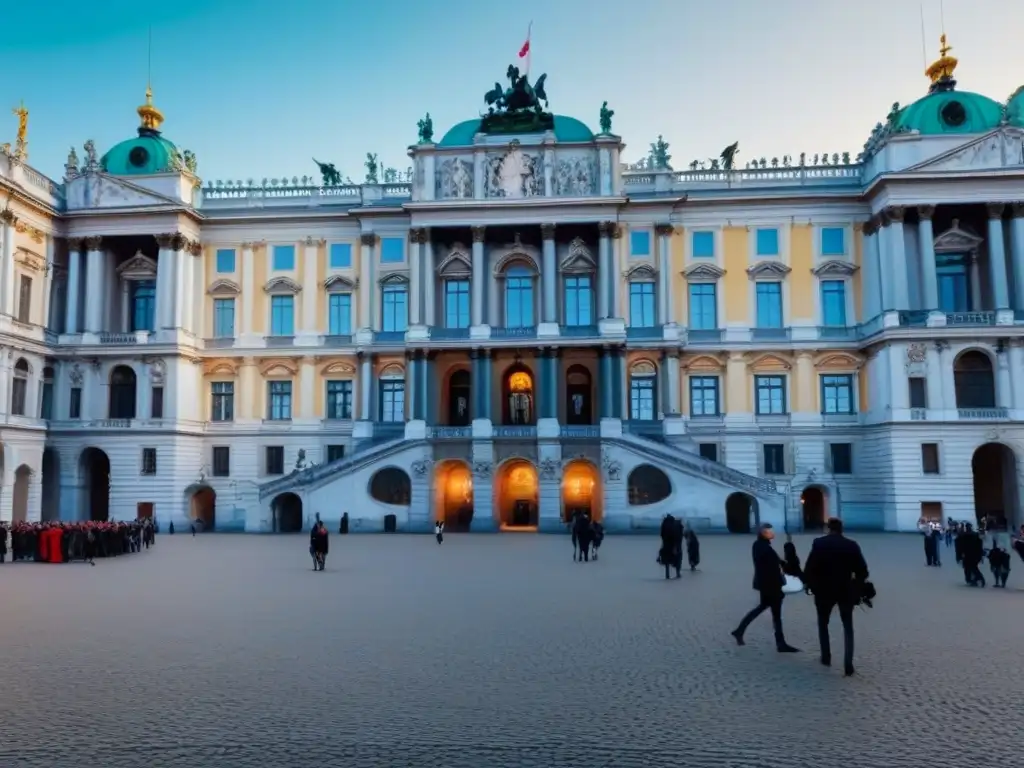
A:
x: 258, y: 87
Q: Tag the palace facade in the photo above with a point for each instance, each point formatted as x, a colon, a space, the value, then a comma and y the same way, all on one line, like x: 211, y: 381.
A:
x: 521, y: 326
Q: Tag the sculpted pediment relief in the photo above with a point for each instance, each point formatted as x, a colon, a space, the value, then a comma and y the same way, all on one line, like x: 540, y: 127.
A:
x: 703, y: 272
x: 223, y: 287
x: 29, y: 260
x: 579, y: 258
x: 98, y: 190
x: 393, y: 371
x: 282, y: 285
x: 835, y: 268
x: 513, y: 258
x: 339, y: 284
x: 394, y: 277
x: 768, y: 268
x: 1002, y: 148
x: 957, y: 240
x: 280, y: 367
x: 703, y: 364
x: 138, y: 266
x: 838, y: 361
x: 221, y: 367
x: 769, y: 363
x: 641, y: 272
x: 458, y: 262
x: 338, y: 367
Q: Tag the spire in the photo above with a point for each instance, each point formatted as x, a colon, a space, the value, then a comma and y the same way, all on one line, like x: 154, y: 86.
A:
x: 151, y: 116
x: 941, y: 70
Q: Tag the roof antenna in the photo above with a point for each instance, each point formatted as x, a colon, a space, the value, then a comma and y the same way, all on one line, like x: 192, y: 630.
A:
x: 924, y: 42
x: 149, y: 59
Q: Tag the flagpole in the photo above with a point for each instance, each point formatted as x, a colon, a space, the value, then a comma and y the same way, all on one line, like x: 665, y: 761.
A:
x: 529, y: 47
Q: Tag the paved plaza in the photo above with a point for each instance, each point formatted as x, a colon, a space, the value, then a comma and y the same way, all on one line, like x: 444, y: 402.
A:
x: 491, y: 651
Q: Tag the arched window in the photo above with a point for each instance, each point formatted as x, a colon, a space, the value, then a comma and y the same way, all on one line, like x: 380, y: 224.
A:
x: 643, y: 392
x: 122, y: 393
x: 19, y: 389
x: 519, y: 396
x: 974, y: 381
x: 578, y: 395
x: 391, y: 486
x: 647, y: 485
x: 459, y: 392
x: 519, y: 309
x: 46, y: 394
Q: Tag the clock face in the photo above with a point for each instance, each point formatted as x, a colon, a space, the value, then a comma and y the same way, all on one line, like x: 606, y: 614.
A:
x: 138, y: 157
x: 953, y: 114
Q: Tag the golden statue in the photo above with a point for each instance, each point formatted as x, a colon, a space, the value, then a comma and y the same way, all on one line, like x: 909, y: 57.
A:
x: 941, y: 70
x: 21, y: 142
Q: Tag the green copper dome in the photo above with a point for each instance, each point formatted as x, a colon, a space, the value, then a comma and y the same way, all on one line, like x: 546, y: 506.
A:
x: 566, y: 129
x: 145, y: 154
x: 950, y: 111
x: 1015, y: 108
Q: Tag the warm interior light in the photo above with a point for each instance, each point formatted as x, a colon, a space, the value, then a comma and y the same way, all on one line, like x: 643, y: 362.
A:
x: 520, y: 381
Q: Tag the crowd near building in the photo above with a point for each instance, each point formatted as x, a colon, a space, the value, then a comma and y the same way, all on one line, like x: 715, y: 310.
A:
x: 520, y: 326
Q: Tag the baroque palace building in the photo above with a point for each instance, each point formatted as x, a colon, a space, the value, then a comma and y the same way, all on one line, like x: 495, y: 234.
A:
x: 522, y: 326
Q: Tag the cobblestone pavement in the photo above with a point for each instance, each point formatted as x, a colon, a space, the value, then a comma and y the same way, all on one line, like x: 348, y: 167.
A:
x: 490, y: 651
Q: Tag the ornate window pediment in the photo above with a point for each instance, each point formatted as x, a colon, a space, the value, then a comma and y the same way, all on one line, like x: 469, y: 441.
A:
x: 392, y: 371
x: 279, y: 368
x: 29, y: 260
x: 643, y: 368
x: 338, y: 367
x: 516, y: 258
x: 835, y: 268
x: 769, y: 363
x: 223, y: 287
x: 838, y: 361
x: 223, y: 368
x: 281, y: 285
x: 769, y: 268
x: 957, y: 240
x: 641, y: 273
x: 339, y: 284
x: 394, y: 278
x: 579, y: 259
x: 458, y: 263
x: 703, y: 272
x: 138, y: 267
x: 703, y: 364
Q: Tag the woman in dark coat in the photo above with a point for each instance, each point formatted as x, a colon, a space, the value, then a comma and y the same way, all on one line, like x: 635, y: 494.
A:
x: 671, y: 554
x: 692, y: 548
x: 318, y: 546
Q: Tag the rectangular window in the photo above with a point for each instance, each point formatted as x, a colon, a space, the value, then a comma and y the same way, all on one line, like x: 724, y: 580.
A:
x: 282, y: 315
x: 769, y: 304
x: 395, y: 310
x: 156, y: 408
x: 518, y: 299
x: 842, y: 458
x: 774, y: 458
x: 339, y: 399
x: 708, y: 451
x: 25, y: 299
x: 335, y: 453
x: 703, y: 306
x: 837, y: 394
x: 339, y: 314
x: 222, y: 401
x: 456, y: 303
x: 284, y: 258
x: 149, y: 461
x: 392, y: 250
x: 19, y: 395
x: 642, y: 398
x: 392, y: 400
x: 221, y: 461
x: 768, y: 242
x: 143, y: 305
x: 954, y: 286
x: 930, y: 458
x: 771, y: 395
x: 642, y: 308
x: 279, y: 400
x: 579, y: 307
x: 340, y: 256
x: 918, y: 392
x: 704, y: 396
x: 75, y: 403
x: 46, y: 404
x: 224, y: 318
x: 833, y: 303
x: 833, y: 241
x: 703, y: 245
x: 275, y: 459
x: 225, y: 260
x: 639, y: 244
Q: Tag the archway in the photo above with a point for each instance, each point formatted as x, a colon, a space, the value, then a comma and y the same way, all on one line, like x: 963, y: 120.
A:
x: 459, y: 393
x: 974, y: 381
x: 647, y: 484
x: 95, y: 471
x: 19, y: 500
x: 581, y: 491
x: 741, y: 514
x: 122, y: 393
x: 517, y: 388
x: 579, y: 408
x: 392, y: 485
x: 517, y: 495
x: 996, y: 493
x: 814, y: 507
x: 287, y: 510
x: 453, y: 495
x: 202, y: 507
x: 51, y: 485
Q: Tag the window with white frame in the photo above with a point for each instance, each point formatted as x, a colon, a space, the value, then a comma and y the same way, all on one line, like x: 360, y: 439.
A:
x: 703, y: 306
x: 279, y: 400
x: 704, y: 398
x: 395, y: 306
x: 282, y: 315
x: 339, y: 314
x: 766, y: 242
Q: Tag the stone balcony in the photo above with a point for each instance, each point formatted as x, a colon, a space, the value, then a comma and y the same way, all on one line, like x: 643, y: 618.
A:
x: 31, y: 181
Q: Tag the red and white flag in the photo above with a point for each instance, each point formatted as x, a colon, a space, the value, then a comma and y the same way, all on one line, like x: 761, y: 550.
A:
x: 524, y: 52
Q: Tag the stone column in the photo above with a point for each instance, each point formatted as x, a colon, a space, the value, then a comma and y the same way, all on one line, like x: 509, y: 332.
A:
x: 366, y: 387
x: 164, y: 280
x: 416, y: 240
x: 430, y: 388
x: 926, y: 240
x: 307, y: 389
x: 125, y: 320
x: 997, y: 256
x: 899, y: 392
x: 549, y: 275
x: 179, y: 252
x: 975, y: 280
x: 946, y: 373
x: 247, y: 297
x: 870, y: 286
x: 478, y: 278
x: 804, y: 400
x: 672, y: 383
x: 7, y: 262
x: 476, y: 391
x: 96, y: 301
x: 619, y: 410
x: 898, y: 256
x: 419, y: 394
x: 486, y: 367
x: 664, y: 233
x: 1017, y: 374
x: 604, y: 269
x: 192, y: 251
x: 1017, y: 252
x: 74, y: 285
x: 311, y: 288
x: 1004, y: 386
x: 548, y: 385
x: 366, y: 280
x: 605, y: 382
x: 429, y: 279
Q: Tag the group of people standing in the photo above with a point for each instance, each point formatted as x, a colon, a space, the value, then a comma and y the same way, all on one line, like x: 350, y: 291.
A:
x: 968, y: 546
x: 587, y: 536
x: 673, y: 536
x: 67, y: 542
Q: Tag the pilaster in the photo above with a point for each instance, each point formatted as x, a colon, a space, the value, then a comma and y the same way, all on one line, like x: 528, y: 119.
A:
x: 1004, y: 385
x: 94, y: 288
x: 549, y: 477
x: 247, y: 298
x: 1017, y: 252
x: 997, y: 256
x: 7, y: 224
x: 309, y: 331
x: 74, y: 285
x: 367, y: 283
x: 926, y: 242
x: 478, y: 278
x: 898, y: 257
x: 666, y: 313
x: 483, y: 486
x: 604, y: 269
x: 429, y: 280
x: 549, y: 276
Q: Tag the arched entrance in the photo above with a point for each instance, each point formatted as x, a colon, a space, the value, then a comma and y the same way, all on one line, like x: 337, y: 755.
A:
x: 517, y: 388
x: 94, y: 469
x: 741, y: 515
x: 996, y: 494
x: 581, y: 491
x: 453, y: 495
x: 578, y: 396
x: 51, y: 485
x: 122, y: 393
x: 814, y: 507
x: 517, y: 495
x: 202, y: 507
x: 459, y: 391
x: 19, y: 501
x: 974, y: 381
x: 287, y: 513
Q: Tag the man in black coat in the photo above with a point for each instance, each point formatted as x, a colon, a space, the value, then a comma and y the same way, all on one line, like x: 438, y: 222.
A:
x: 768, y: 581
x: 836, y: 572
x: 972, y: 552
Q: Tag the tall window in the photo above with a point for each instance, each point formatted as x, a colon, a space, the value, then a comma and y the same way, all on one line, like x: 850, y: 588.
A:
x: 274, y: 456
x: 339, y: 314
x: 121, y: 404
x: 339, y: 399
x: 395, y: 311
x: 340, y: 256
x: 769, y: 304
x: 642, y: 308
x: 704, y: 396
x: 222, y: 397
x: 156, y: 403
x: 703, y: 245
x: 837, y: 393
x: 279, y: 400
x: 221, y: 461
x: 833, y: 303
x: 833, y: 241
x: 225, y: 260
x: 767, y: 242
x: 46, y: 396
x: 224, y: 318
x: 954, y: 284
x: 703, y: 306
x: 25, y: 299
x: 518, y: 298
x: 284, y: 258
x: 143, y: 305
x: 456, y: 303
x: 392, y: 250
x: 75, y: 403
x: 19, y: 389
x: 282, y: 315
x: 392, y: 400
x: 579, y: 308
x: 774, y: 458
x: 642, y: 397
x: 639, y: 244
x: 771, y: 395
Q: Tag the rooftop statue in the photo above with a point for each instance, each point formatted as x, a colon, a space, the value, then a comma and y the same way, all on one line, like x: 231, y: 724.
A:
x: 728, y: 156
x: 371, y: 168
x: 658, y: 159
x: 520, y: 108
x: 328, y: 173
x: 606, y: 118
x: 426, y: 129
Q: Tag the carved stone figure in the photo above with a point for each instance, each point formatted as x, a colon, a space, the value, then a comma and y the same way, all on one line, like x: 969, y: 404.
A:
x: 371, y: 168
x: 574, y: 177
x: 91, y: 161
x: 916, y: 353
x: 514, y: 175
x: 659, y: 157
x: 157, y: 372
x: 328, y: 173
x: 191, y: 163
x: 549, y: 469
x: 606, y: 118
x: 426, y: 130
x: 517, y: 109
x: 71, y: 166
x: 612, y: 468
x: 456, y: 179
x: 75, y: 375
x: 300, y: 461
x: 176, y: 160
x: 421, y: 467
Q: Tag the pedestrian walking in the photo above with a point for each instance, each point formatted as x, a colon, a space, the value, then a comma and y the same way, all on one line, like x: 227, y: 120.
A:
x: 439, y: 531
x: 768, y: 582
